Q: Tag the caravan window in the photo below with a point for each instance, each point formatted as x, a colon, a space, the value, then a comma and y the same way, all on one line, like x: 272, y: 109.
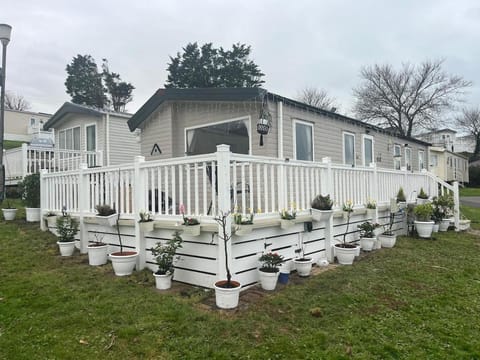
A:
x: 303, y: 140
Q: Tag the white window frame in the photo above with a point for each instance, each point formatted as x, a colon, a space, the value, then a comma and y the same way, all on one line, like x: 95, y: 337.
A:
x: 294, y: 134
x: 249, y: 130
x: 86, y: 136
x: 408, y: 159
x: 397, y: 159
x: 421, y: 164
x: 73, y: 141
x: 370, y: 137
x: 347, y: 133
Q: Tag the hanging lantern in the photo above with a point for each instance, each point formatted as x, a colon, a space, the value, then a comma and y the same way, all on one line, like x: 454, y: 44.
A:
x: 264, y: 120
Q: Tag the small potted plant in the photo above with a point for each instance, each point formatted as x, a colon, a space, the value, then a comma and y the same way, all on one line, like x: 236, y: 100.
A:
x: 423, y: 223
x: 388, y: 237
x: 51, y: 218
x: 9, y: 211
x: 321, y: 207
x: 97, y: 251
x: 30, y: 188
x: 345, y: 251
x: 422, y: 197
x: 445, y: 203
x: 227, y: 291
x: 269, y: 270
x: 371, y: 207
x: 106, y: 215
x: 191, y: 226
x: 243, y: 224
x: 303, y: 264
x: 367, y: 235
x: 165, y: 255
x: 401, y: 199
x: 347, y: 209
x: 287, y: 218
x: 146, y: 222
x: 67, y: 228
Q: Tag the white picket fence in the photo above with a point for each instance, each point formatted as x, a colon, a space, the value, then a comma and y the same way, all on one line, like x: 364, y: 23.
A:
x: 26, y: 160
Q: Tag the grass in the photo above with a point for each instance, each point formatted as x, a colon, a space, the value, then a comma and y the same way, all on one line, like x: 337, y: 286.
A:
x: 417, y: 300
x: 10, y: 144
x: 469, y: 191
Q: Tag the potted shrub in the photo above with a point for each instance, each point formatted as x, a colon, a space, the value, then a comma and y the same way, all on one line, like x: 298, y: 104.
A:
x: 445, y: 203
x: 367, y: 235
x: 287, y: 218
x: 243, y: 224
x: 422, y: 197
x: 227, y: 291
x: 401, y: 199
x: 30, y: 188
x: 123, y: 262
x: 165, y: 255
x: 97, y: 251
x: 303, y: 264
x: 269, y: 270
x: 371, y: 207
x: 423, y: 223
x: 51, y: 219
x: 146, y: 222
x: 67, y: 228
x: 388, y: 237
x: 191, y: 226
x: 344, y: 251
x: 437, y: 215
x: 9, y: 211
x: 106, y: 215
x: 321, y: 207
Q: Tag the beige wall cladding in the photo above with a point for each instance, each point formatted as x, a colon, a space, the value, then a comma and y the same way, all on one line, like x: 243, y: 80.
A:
x: 124, y: 145
x: 158, y: 130
x: 17, y: 122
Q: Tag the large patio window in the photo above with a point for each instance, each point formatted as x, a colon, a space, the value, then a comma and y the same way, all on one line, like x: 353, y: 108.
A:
x: 349, y: 149
x: 69, y: 139
x: 204, y: 140
x: 367, y: 150
x: 303, y: 140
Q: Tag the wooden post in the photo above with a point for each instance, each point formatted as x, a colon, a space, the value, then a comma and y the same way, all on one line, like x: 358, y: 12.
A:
x: 83, y: 198
x: 43, y: 198
x: 139, y: 205
x: 456, y: 210
x: 223, y: 171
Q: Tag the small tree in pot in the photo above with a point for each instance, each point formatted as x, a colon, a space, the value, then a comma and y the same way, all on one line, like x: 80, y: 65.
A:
x: 345, y: 251
x: 30, y: 188
x: 97, y: 251
x: 423, y: 222
x: 321, y: 207
x: 165, y: 256
x: 269, y: 270
x: 367, y: 234
x: 67, y: 228
x: 422, y: 197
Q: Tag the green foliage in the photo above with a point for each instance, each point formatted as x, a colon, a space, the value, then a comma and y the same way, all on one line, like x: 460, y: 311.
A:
x: 67, y: 228
x: 12, y: 144
x: 422, y: 194
x: 239, y: 219
x: 206, y: 66
x: 321, y: 202
x: 367, y: 228
x: 104, y: 210
x: 423, y: 212
x: 30, y: 189
x: 474, y: 176
x: 468, y: 191
x: 270, y: 262
x: 401, y: 195
x: 145, y: 216
x: 288, y: 215
x: 443, y: 206
x: 87, y: 86
x: 165, y: 254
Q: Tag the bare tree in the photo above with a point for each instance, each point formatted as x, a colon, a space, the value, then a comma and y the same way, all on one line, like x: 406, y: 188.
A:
x: 407, y: 100
x: 16, y: 102
x: 469, y: 121
x: 318, y: 98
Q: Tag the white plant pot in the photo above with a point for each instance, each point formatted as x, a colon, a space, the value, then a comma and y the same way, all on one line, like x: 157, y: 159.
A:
x: 241, y: 230
x: 146, y: 226
x: 367, y: 244
x: 387, y: 241
x: 192, y: 230
x: 424, y: 228
x: 435, y: 227
x: 9, y: 214
x: 123, y: 263
x: 464, y: 225
x: 321, y: 215
x: 32, y: 214
x: 110, y: 220
x: 345, y: 256
x: 97, y: 255
x: 163, y: 281
x: 303, y: 266
x: 421, y: 201
x: 444, y: 224
x: 51, y: 221
x: 227, y: 298
x: 377, y: 231
x: 66, y: 248
x: 268, y: 280
x: 286, y: 224
x: 371, y: 213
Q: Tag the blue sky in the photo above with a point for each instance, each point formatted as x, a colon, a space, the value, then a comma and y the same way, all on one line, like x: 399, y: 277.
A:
x: 320, y: 44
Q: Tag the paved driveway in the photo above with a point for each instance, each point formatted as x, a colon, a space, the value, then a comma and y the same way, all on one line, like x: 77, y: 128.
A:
x: 470, y: 201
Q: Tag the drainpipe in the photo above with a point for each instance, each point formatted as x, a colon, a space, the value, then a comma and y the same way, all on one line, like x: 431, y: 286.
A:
x: 280, y: 129
x: 107, y: 137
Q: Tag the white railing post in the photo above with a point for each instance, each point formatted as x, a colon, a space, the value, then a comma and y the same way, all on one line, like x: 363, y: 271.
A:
x: 83, y: 198
x: 456, y: 210
x: 139, y: 205
x: 374, y: 189
x: 24, y: 160
x: 43, y: 199
x: 329, y: 180
x: 223, y: 171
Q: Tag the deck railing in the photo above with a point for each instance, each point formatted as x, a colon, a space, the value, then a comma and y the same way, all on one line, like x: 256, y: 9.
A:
x: 207, y: 184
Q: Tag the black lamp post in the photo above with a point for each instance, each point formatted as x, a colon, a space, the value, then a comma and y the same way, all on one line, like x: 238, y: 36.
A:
x: 5, y: 32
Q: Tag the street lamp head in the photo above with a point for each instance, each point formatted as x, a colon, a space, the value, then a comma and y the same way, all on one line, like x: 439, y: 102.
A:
x: 5, y: 32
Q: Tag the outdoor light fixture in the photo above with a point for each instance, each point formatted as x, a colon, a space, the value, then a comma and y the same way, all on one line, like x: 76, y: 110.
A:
x: 264, y: 120
x: 5, y: 32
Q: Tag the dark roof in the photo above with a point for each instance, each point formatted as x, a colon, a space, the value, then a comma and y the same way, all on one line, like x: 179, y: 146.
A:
x: 238, y: 94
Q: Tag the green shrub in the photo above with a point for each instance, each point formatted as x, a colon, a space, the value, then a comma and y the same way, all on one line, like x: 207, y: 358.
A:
x: 423, y: 212
x: 30, y: 189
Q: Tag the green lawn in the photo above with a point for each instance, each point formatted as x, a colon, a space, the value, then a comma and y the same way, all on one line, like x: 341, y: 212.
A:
x: 418, y: 300
x: 10, y: 144
x: 469, y: 191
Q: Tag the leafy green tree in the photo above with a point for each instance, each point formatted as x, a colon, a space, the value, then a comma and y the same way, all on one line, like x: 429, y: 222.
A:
x: 207, y: 66
x: 120, y: 92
